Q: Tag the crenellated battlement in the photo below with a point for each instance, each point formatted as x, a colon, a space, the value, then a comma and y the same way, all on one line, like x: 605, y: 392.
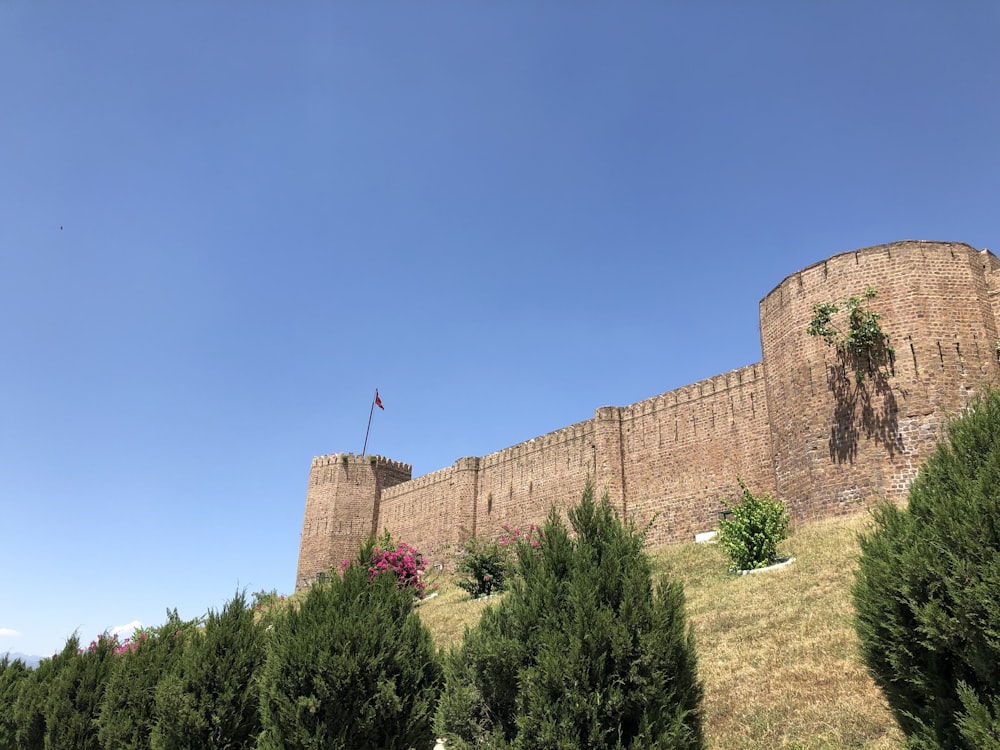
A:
x: 562, y: 436
x: 780, y: 424
x: 425, y: 480
x: 370, y: 459
x: 715, y: 385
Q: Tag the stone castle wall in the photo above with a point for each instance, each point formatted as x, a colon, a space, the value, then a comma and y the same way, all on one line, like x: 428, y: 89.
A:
x: 935, y: 300
x: 683, y: 450
x: 786, y: 425
x: 342, y: 508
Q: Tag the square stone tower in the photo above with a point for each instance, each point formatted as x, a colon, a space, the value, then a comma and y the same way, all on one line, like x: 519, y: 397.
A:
x: 342, y: 509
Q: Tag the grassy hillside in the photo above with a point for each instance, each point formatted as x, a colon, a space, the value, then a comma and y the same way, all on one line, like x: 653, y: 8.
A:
x: 776, y: 650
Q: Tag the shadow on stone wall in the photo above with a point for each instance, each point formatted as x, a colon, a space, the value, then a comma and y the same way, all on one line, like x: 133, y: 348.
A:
x: 862, y: 407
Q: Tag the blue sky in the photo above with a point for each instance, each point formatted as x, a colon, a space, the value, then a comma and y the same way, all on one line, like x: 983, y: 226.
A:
x: 223, y: 225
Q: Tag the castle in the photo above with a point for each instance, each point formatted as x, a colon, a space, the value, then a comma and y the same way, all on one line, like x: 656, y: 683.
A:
x: 794, y: 425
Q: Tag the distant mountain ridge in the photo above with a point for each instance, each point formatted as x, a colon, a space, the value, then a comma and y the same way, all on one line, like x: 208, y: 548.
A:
x: 29, y: 659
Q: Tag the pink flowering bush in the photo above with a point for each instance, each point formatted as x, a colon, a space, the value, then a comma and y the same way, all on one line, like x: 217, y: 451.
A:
x: 131, y: 643
x: 266, y: 600
x: 514, y: 536
x: 403, y: 561
x: 110, y: 640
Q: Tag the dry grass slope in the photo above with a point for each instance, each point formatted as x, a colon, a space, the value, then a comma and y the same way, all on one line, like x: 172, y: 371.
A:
x: 776, y: 650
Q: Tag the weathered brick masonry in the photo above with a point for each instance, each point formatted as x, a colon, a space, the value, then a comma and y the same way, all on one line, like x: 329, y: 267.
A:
x: 786, y: 425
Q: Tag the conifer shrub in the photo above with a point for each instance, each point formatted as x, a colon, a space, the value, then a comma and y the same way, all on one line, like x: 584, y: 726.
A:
x: 127, y: 712
x: 582, y: 652
x: 209, y: 697
x: 75, y: 694
x: 32, y: 695
x: 12, y: 676
x: 757, y: 525
x: 927, y: 591
x: 351, y: 667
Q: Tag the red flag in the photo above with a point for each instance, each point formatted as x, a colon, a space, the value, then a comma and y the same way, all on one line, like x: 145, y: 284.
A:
x: 378, y: 401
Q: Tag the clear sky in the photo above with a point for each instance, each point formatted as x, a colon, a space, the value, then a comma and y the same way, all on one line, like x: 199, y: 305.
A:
x: 223, y: 225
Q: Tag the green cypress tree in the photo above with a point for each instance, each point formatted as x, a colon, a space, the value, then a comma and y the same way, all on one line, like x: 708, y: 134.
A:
x: 583, y: 651
x: 351, y: 667
x: 927, y: 591
x: 208, y: 701
x: 75, y: 694
x: 12, y: 676
x: 127, y: 712
x: 979, y: 723
x: 29, y: 710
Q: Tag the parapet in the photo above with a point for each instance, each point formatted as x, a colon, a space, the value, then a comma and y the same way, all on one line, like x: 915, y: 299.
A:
x: 708, y: 387
x: 350, y: 458
x: 468, y: 463
x: 887, y: 249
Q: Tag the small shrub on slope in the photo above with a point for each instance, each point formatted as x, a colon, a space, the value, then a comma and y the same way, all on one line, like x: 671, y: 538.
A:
x: 488, y: 564
x: 580, y: 653
x: 758, y: 524
x: 927, y: 591
x: 484, y: 567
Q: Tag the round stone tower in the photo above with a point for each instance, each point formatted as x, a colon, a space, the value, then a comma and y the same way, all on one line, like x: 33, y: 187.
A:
x: 838, y: 441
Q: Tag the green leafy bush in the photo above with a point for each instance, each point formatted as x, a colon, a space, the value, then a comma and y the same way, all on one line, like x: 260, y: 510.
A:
x: 927, y: 591
x: 488, y: 565
x: 353, y: 666
x: 582, y: 652
x: 485, y: 566
x: 757, y: 525
x: 864, y: 346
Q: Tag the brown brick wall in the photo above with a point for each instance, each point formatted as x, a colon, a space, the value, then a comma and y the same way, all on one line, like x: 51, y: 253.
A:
x: 991, y: 276
x: 519, y: 485
x: 779, y: 424
x: 515, y: 486
x: 934, y: 302
x: 685, y: 449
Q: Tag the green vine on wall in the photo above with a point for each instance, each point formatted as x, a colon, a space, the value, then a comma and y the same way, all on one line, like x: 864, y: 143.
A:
x: 864, y: 346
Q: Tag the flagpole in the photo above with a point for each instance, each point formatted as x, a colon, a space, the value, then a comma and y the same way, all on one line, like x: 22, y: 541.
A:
x: 368, y: 429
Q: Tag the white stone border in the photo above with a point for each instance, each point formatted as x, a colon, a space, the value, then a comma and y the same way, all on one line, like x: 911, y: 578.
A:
x: 785, y: 562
